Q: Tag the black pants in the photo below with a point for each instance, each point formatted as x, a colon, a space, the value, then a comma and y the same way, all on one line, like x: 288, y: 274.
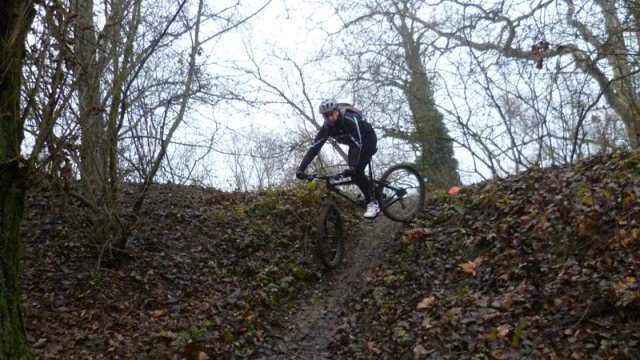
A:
x: 369, y: 147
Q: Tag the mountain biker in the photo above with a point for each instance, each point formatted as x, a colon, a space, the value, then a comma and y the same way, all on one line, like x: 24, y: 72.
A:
x: 347, y: 126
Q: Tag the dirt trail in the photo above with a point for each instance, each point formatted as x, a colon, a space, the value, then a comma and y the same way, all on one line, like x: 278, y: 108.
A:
x: 314, y: 321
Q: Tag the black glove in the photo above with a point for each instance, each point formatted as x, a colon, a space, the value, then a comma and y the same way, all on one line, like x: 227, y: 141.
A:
x: 348, y: 172
x: 301, y: 175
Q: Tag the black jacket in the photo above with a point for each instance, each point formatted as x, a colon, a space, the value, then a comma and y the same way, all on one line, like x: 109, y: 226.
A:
x: 351, y: 129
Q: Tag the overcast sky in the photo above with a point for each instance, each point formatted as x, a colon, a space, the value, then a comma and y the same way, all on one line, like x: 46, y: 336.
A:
x: 296, y: 29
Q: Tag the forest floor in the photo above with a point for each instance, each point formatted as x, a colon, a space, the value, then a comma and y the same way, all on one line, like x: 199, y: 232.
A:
x: 208, y: 275
x: 544, y: 264
x: 315, y: 321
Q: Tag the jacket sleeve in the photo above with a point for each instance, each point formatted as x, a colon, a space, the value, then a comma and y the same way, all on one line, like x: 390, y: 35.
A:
x: 313, y: 151
x: 352, y: 126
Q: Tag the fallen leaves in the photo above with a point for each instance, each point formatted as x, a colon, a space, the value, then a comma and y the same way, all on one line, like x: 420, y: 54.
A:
x: 165, y: 334
x: 158, y: 313
x: 470, y: 267
x: 416, y: 233
x: 512, y: 267
x: 419, y: 351
x: 625, y: 237
x: 503, y: 330
x: 538, y: 265
x: 425, y: 303
x: 624, y: 284
x: 190, y: 282
x: 628, y: 291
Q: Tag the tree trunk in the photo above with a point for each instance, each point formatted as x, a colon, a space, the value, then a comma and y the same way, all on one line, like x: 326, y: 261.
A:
x: 96, y: 143
x: 16, y: 21
x: 435, y: 158
x: 93, y: 146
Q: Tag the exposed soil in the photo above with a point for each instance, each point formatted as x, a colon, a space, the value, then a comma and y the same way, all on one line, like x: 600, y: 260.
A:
x: 314, y: 322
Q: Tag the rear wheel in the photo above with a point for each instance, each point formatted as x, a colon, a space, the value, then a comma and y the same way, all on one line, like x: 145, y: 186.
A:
x: 401, y: 192
x: 330, y: 240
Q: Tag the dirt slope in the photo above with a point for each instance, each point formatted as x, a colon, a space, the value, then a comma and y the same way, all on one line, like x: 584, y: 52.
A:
x: 209, y: 274
x: 544, y: 264
x: 313, y: 323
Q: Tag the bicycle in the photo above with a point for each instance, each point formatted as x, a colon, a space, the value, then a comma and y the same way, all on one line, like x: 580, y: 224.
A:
x: 400, y: 195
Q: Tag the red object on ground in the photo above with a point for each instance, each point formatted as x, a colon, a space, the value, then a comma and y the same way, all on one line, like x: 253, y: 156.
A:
x: 454, y: 190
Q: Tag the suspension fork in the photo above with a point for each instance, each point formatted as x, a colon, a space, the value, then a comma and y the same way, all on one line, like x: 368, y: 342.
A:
x: 327, y: 198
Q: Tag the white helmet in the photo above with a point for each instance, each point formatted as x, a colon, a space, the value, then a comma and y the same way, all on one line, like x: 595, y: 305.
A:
x: 327, y: 105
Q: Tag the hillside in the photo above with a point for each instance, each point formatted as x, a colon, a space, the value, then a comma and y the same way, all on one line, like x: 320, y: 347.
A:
x: 209, y: 275
x: 539, y: 265
x: 543, y: 265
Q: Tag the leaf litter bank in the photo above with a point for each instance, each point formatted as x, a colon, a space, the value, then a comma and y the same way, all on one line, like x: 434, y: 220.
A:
x: 539, y: 265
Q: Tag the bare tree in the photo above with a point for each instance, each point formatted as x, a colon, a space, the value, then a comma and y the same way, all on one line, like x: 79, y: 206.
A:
x: 509, y: 115
x: 595, y: 38
x: 48, y: 95
x: 258, y: 159
x: 14, y: 26
x: 527, y: 80
x: 388, y: 49
x: 132, y: 85
x: 287, y: 89
x: 105, y: 67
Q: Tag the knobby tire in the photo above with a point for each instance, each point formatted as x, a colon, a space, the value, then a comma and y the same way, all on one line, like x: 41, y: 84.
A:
x: 330, y: 241
x: 393, y: 203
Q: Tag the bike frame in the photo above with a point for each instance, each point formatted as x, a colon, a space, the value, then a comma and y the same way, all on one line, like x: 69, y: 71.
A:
x: 335, y: 187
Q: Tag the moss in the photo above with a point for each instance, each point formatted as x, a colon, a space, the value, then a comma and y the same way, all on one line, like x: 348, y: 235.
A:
x: 581, y: 190
x: 630, y: 163
x: 556, y: 245
x: 462, y: 288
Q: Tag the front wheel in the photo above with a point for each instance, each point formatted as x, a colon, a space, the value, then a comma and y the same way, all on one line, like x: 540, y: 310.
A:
x: 330, y: 240
x: 401, y: 192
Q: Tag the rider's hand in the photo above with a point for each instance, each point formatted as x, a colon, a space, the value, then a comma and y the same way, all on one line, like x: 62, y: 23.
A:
x: 348, y: 172
x: 301, y: 175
